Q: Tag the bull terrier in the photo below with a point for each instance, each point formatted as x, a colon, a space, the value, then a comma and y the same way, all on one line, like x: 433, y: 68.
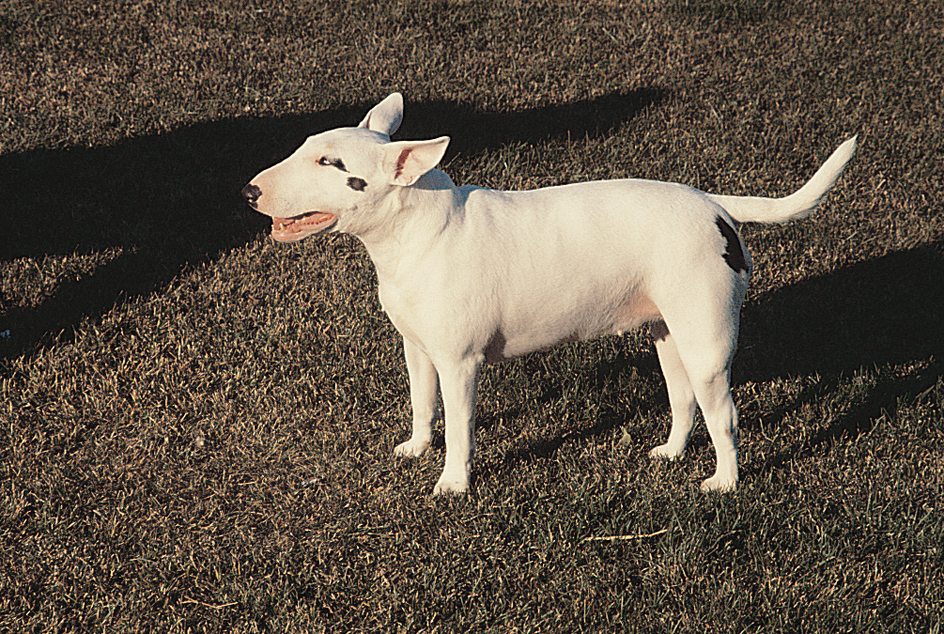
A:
x: 470, y: 275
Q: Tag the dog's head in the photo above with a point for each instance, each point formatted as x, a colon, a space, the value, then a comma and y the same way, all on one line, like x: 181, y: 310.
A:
x: 339, y: 180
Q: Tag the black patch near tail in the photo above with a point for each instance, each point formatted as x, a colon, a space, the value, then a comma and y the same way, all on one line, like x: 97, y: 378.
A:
x: 357, y: 184
x: 733, y: 254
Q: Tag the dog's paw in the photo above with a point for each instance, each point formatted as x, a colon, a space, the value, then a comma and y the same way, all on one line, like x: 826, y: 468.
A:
x: 413, y: 448
x: 718, y: 484
x: 451, y: 485
x: 666, y: 452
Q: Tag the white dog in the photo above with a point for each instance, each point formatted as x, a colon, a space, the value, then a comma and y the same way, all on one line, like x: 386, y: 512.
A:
x: 471, y: 275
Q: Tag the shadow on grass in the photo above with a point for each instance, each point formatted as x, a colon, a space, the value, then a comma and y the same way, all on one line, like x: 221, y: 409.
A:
x: 887, y: 310
x: 631, y: 413
x: 170, y: 201
x: 882, y: 312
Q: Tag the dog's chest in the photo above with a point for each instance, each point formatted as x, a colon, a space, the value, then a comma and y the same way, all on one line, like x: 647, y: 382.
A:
x: 404, y: 308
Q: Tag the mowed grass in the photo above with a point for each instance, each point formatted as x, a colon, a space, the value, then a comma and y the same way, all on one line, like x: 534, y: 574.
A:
x: 197, y: 424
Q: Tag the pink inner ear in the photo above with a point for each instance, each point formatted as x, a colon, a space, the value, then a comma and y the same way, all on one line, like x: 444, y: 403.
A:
x: 401, y: 161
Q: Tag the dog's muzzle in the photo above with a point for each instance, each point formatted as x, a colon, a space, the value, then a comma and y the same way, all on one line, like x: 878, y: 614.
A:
x: 294, y: 228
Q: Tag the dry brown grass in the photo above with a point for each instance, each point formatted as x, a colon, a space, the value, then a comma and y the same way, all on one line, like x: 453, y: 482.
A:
x: 197, y: 424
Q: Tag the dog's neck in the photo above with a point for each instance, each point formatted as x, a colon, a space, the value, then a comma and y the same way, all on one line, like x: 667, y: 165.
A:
x: 422, y: 210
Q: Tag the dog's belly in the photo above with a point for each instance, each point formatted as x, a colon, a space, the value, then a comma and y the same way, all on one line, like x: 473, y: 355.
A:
x: 522, y: 337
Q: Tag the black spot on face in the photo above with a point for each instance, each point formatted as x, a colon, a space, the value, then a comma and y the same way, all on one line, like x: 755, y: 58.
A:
x: 357, y: 184
x: 733, y: 254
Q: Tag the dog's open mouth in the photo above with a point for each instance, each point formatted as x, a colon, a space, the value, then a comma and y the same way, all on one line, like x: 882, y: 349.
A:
x: 301, y: 226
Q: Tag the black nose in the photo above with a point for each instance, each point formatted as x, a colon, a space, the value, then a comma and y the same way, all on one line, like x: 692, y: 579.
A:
x: 251, y: 193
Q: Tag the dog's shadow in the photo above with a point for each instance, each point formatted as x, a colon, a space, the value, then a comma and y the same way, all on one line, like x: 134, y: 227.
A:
x: 146, y: 208
x: 873, y: 314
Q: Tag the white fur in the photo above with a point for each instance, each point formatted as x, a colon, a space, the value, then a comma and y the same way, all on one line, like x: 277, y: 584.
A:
x: 471, y: 275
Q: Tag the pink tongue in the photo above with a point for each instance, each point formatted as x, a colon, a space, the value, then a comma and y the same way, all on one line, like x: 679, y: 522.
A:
x: 300, y: 227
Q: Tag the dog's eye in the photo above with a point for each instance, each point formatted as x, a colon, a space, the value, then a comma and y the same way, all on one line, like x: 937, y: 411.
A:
x: 332, y: 162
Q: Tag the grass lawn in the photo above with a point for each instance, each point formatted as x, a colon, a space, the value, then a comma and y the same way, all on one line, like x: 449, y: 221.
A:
x: 197, y: 424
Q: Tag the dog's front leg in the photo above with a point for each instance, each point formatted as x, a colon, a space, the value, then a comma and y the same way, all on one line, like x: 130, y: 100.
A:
x: 458, y: 383
x: 423, y: 391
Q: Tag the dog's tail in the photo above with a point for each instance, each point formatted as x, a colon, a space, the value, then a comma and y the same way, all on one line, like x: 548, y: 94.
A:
x: 798, y: 204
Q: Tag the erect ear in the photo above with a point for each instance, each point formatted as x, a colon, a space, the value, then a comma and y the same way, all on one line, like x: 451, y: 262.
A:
x: 386, y: 116
x: 406, y: 161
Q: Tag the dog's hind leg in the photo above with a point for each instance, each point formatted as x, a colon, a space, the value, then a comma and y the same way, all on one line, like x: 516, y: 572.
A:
x: 714, y: 397
x: 707, y: 360
x: 423, y: 398
x: 458, y: 383
x: 681, y: 395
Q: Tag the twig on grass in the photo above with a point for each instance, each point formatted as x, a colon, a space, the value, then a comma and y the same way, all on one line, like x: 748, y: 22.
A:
x: 615, y: 538
x: 187, y: 600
